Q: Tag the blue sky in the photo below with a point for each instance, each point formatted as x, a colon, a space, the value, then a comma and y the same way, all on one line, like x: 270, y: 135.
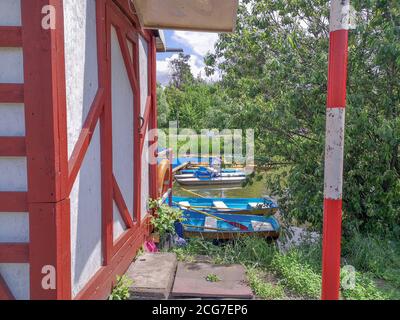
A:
x: 196, y: 44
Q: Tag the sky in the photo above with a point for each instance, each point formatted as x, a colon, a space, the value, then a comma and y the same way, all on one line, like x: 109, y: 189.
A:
x: 196, y: 44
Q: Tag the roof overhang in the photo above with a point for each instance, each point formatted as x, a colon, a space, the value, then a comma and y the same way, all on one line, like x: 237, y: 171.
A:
x: 161, y: 44
x: 192, y: 15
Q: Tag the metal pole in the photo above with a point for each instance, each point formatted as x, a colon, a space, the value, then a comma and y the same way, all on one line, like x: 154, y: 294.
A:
x: 335, y: 120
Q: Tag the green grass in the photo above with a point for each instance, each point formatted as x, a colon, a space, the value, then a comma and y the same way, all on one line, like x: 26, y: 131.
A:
x: 264, y: 289
x: 299, y: 270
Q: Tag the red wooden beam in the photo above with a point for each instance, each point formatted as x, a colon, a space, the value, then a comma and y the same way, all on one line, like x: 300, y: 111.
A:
x: 104, y: 58
x: 127, y: 8
x: 13, y: 202
x: 124, y: 237
x: 12, y: 147
x: 123, y: 209
x: 49, y: 247
x: 14, y: 253
x: 10, y: 36
x: 84, y: 139
x: 127, y: 59
x: 45, y: 102
x: 137, y: 173
x: 46, y: 144
x: 11, y: 93
x: 5, y: 292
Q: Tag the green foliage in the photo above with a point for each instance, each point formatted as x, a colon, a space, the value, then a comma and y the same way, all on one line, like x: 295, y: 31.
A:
x: 263, y: 289
x: 162, y: 107
x: 180, y: 71
x: 297, y: 275
x: 365, y: 289
x: 212, y: 277
x: 298, y: 269
x: 379, y: 256
x: 165, y: 217
x: 274, y: 73
x: 121, y: 289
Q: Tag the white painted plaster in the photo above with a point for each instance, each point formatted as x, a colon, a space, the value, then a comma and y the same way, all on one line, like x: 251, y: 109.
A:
x: 81, y: 69
x: 340, y: 15
x: 143, y: 68
x: 12, y: 120
x: 122, y: 123
x: 14, y: 227
x: 119, y: 225
x: 335, y: 119
x: 86, y: 217
x: 11, y: 65
x: 10, y: 12
x: 16, y: 275
x: 13, y: 174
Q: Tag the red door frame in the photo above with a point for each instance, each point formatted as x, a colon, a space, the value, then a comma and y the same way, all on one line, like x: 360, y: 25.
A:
x: 51, y: 175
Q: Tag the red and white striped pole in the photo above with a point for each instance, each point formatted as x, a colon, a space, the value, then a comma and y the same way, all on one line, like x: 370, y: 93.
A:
x: 335, y: 120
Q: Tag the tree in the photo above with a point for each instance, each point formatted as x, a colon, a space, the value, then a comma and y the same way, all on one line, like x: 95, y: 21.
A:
x: 181, y: 73
x: 274, y: 71
x: 163, y: 107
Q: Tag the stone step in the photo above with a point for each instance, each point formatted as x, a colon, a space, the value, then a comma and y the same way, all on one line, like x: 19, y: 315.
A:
x: 153, y: 276
x: 191, y: 282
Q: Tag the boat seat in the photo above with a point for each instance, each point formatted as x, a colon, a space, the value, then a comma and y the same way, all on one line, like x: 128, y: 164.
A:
x: 256, y: 205
x: 184, y: 204
x: 210, y: 222
x: 220, y: 205
x: 261, y: 226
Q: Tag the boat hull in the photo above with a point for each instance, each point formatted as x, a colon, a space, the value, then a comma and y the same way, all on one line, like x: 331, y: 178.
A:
x: 195, y: 225
x: 229, y: 235
x: 233, y: 205
x: 212, y: 181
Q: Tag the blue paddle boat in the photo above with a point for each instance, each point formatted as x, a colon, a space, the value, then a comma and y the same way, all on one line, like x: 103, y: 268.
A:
x: 224, y: 226
x: 210, y: 176
x: 252, y: 206
x: 229, y: 171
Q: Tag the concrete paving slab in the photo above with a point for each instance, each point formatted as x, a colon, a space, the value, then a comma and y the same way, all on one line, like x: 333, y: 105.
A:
x: 191, y: 281
x: 153, y: 275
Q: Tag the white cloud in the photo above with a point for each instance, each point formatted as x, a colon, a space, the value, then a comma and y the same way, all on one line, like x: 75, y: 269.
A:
x: 196, y: 65
x: 200, y: 42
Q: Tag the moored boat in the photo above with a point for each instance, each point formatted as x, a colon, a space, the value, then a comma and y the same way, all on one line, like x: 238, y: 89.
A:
x: 223, y: 171
x: 210, y: 176
x: 252, y: 206
x: 211, y: 181
x: 197, y: 225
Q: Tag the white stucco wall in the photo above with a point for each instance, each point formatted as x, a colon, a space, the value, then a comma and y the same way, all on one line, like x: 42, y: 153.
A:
x: 119, y: 225
x: 81, y: 68
x: 10, y: 12
x: 122, y: 123
x: 16, y: 275
x: 143, y: 68
x: 14, y: 227
x: 11, y: 65
x: 81, y: 87
x: 12, y: 120
x: 144, y: 93
x: 86, y: 217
